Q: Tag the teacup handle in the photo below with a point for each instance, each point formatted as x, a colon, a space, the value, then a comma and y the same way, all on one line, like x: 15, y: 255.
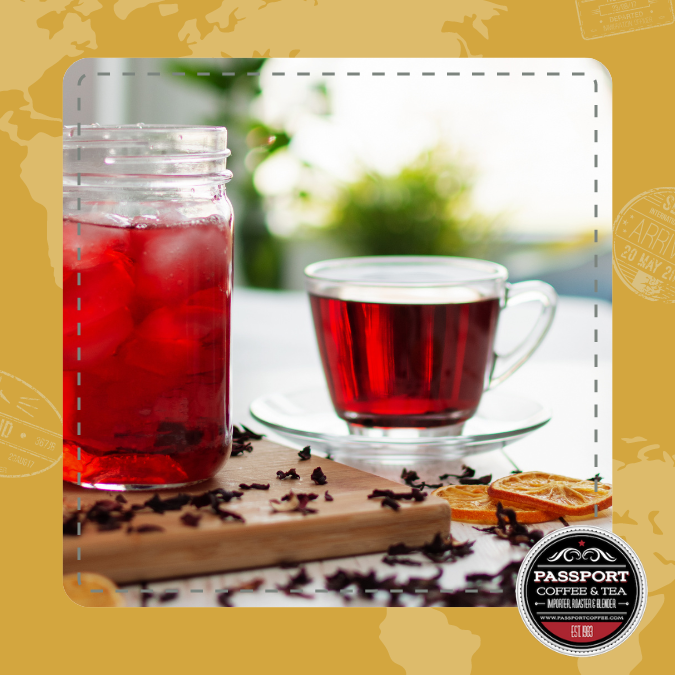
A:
x: 518, y: 294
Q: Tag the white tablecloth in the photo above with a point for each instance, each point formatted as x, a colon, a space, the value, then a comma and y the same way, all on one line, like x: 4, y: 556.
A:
x: 274, y: 350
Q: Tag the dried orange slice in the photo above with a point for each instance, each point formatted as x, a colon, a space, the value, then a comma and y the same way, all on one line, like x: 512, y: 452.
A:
x: 471, y: 503
x: 557, y: 494
x: 104, y: 594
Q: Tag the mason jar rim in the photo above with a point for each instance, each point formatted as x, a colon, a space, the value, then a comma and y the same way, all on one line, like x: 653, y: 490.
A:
x: 74, y: 131
x: 94, y: 154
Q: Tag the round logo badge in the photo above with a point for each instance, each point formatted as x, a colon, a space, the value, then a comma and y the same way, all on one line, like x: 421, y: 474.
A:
x: 581, y: 591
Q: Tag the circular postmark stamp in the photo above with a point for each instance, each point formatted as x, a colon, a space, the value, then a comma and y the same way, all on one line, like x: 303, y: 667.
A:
x: 644, y: 245
x: 581, y: 591
x: 30, y: 429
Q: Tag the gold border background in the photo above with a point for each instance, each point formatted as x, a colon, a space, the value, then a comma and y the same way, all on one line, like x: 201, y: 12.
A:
x: 40, y: 40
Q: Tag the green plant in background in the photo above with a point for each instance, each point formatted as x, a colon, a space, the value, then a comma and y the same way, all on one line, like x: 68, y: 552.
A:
x: 420, y: 211
x: 251, y: 142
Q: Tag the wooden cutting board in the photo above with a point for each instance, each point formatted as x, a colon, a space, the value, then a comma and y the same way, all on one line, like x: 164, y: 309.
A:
x: 351, y: 524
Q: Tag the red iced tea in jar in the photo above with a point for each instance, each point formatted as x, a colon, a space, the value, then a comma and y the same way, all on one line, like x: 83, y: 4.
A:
x: 146, y: 312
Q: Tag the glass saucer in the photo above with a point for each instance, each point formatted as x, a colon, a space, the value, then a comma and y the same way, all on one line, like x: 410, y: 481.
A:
x: 307, y: 417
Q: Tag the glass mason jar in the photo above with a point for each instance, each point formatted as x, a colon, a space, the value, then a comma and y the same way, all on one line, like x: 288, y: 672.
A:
x: 147, y: 269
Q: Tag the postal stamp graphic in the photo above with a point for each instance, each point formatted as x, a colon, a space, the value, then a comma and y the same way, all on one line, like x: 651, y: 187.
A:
x: 599, y: 18
x: 644, y: 245
x: 30, y: 429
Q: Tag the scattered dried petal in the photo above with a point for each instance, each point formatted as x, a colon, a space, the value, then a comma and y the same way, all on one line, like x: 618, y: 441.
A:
x: 394, y: 560
x: 483, y: 480
x: 402, y: 549
x: 224, y: 596
x: 255, y: 486
x: 159, y: 505
x: 224, y: 514
x: 409, y: 477
x: 141, y: 529
x: 295, y: 583
x: 305, y: 453
x: 201, y: 500
x: 290, y: 504
x: 415, y: 495
x: 482, y: 587
x: 291, y: 473
x: 439, y: 549
x: 412, y: 479
x: 70, y: 525
x: 318, y: 476
x: 391, y: 503
x: 509, y: 528
x: 467, y: 472
x: 375, y: 494
x: 327, y: 497
x: 307, y: 497
x: 191, y: 519
x: 214, y: 497
x: 239, y: 448
x: 246, y: 434
x: 293, y: 502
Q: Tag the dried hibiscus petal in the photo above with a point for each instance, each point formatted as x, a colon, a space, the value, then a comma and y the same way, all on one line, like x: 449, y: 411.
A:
x: 159, y: 505
x: 375, y: 494
x: 391, y: 503
x: 292, y: 587
x: 291, y: 473
x: 293, y: 502
x: 224, y: 514
x: 223, y: 595
x: 318, y: 476
x: 239, y: 448
x: 70, y: 525
x: 395, y: 560
x: 191, y: 519
x: 509, y: 528
x: 245, y: 435
x: 141, y: 529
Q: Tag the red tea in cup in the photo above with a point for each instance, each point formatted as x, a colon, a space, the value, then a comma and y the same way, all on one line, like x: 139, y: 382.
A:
x: 394, y: 365
x: 408, y: 342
